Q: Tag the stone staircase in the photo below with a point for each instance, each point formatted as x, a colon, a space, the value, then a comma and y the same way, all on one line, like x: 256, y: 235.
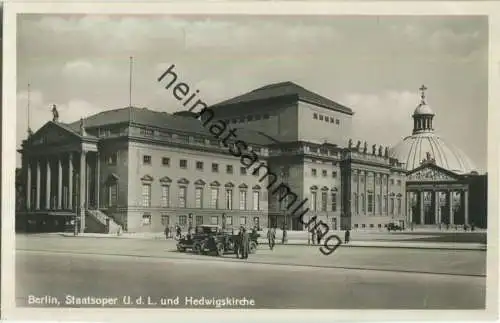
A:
x: 96, y: 222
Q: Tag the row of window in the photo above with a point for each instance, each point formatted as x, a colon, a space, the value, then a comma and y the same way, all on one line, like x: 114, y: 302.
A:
x: 328, y: 119
x: 380, y: 204
x: 248, y: 118
x: 324, y: 173
x: 371, y: 225
x: 200, y: 197
x: 199, y: 165
x: 182, y: 220
x: 313, y: 205
x: 378, y: 180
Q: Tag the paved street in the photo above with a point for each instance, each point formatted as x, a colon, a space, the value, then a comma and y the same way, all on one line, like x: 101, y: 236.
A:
x: 349, y: 278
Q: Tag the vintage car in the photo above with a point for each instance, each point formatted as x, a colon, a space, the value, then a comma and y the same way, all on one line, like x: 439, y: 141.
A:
x: 213, y: 239
x: 193, y: 241
x: 394, y: 227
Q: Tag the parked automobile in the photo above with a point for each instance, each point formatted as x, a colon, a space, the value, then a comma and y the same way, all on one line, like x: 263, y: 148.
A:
x: 394, y: 227
x: 193, y: 241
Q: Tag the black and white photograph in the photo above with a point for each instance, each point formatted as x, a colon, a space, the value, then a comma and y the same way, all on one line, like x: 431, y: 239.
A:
x: 251, y: 161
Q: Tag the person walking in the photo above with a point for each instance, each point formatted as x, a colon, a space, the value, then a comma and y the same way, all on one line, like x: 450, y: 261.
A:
x: 283, y: 238
x: 167, y: 232
x: 271, y: 236
x: 178, y: 232
x: 319, y: 235
x: 347, y: 236
x: 237, y: 243
x: 245, y: 244
x: 313, y: 236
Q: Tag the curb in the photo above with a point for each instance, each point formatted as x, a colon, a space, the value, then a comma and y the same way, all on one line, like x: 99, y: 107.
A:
x: 458, y: 248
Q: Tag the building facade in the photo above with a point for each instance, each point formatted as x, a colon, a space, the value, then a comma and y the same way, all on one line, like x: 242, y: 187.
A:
x: 143, y: 170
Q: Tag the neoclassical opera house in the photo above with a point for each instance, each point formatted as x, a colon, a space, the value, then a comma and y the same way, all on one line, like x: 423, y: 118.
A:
x: 440, y: 176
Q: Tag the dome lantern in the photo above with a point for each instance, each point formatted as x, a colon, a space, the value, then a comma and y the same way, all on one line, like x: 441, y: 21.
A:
x: 423, y: 115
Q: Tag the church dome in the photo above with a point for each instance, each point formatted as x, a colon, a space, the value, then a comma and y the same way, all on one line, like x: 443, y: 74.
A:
x: 424, y: 145
x: 416, y: 148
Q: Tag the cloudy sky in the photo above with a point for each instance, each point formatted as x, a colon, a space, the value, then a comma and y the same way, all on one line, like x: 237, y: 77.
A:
x: 374, y: 65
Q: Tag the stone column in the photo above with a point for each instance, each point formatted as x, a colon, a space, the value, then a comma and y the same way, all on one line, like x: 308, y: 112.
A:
x: 28, y: 185
x: 450, y: 203
x: 408, y: 208
x: 82, y: 191
x: 437, y: 207
x: 97, y: 180
x: 59, y: 183
x: 70, y: 181
x: 365, y: 174
x: 48, y: 187
x: 466, y: 206
x: 422, y: 213
x: 38, y: 185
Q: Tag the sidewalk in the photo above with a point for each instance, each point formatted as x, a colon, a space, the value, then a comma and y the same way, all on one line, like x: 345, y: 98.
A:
x: 301, y: 242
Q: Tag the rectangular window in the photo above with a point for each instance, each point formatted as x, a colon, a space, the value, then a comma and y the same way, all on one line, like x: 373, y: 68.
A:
x: 356, y: 203
x: 229, y: 169
x: 385, y: 204
x: 113, y: 194
x: 314, y: 197
x: 324, y: 173
x: 243, y: 171
x: 214, y: 198
x: 146, y: 160
x: 321, y: 117
x: 183, y: 163
x: 399, y: 206
x: 111, y: 159
x: 214, y: 220
x: 146, y: 195
x: 165, y: 220
x: 399, y: 182
x: 229, y: 220
x: 379, y: 203
x: 256, y: 200
x: 146, y: 219
x: 229, y: 199
x: 313, y: 172
x: 334, y: 174
x: 182, y: 220
x: 199, y: 220
x: 198, y: 197
x: 324, y: 201
x: 249, y: 118
x: 337, y: 121
x: 370, y: 202
x: 199, y: 165
x: 363, y: 205
x: 165, y: 161
x: 334, y: 201
x: 243, y: 200
x: 243, y: 220
x: 182, y: 196
x: 165, y: 196
x: 215, y: 168
x: 363, y: 225
x: 315, y: 116
x: 392, y: 206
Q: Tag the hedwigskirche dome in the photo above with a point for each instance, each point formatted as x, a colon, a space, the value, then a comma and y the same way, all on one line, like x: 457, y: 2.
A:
x: 425, y: 145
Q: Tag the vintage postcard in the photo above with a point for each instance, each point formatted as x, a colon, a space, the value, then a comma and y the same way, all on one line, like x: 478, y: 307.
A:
x: 194, y: 161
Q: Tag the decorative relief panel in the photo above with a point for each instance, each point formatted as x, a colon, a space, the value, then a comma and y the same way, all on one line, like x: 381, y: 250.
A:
x: 430, y: 174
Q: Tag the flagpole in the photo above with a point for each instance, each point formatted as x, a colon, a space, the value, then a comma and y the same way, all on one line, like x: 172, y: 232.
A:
x: 130, y: 90
x: 28, y: 112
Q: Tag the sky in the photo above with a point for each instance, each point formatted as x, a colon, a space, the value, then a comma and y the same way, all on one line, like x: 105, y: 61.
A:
x: 372, y: 64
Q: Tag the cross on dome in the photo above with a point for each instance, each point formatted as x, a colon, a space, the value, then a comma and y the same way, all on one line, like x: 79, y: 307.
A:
x: 422, y: 89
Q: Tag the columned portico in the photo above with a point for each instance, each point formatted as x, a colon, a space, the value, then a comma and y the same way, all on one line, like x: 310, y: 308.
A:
x: 442, y: 196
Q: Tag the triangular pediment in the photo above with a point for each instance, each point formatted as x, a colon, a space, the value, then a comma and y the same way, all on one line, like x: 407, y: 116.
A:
x: 431, y: 173
x: 165, y: 180
x: 52, y: 133
x: 147, y: 178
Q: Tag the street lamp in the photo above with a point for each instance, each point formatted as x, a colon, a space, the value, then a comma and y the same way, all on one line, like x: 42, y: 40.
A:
x: 284, y: 179
x: 77, y: 202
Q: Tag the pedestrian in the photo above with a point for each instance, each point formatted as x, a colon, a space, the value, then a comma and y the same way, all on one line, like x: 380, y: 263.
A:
x: 237, y: 243
x: 347, y: 236
x: 313, y: 236
x: 119, y: 232
x: 319, y: 235
x: 178, y: 232
x: 283, y: 238
x: 245, y: 244
x: 166, y: 232
x: 271, y: 236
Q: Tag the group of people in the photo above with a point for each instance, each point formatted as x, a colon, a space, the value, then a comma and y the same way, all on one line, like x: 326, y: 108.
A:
x: 242, y: 244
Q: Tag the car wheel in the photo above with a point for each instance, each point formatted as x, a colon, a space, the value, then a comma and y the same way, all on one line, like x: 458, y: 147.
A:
x: 181, y: 249
x: 252, y: 247
x: 197, y: 248
x: 220, y: 249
